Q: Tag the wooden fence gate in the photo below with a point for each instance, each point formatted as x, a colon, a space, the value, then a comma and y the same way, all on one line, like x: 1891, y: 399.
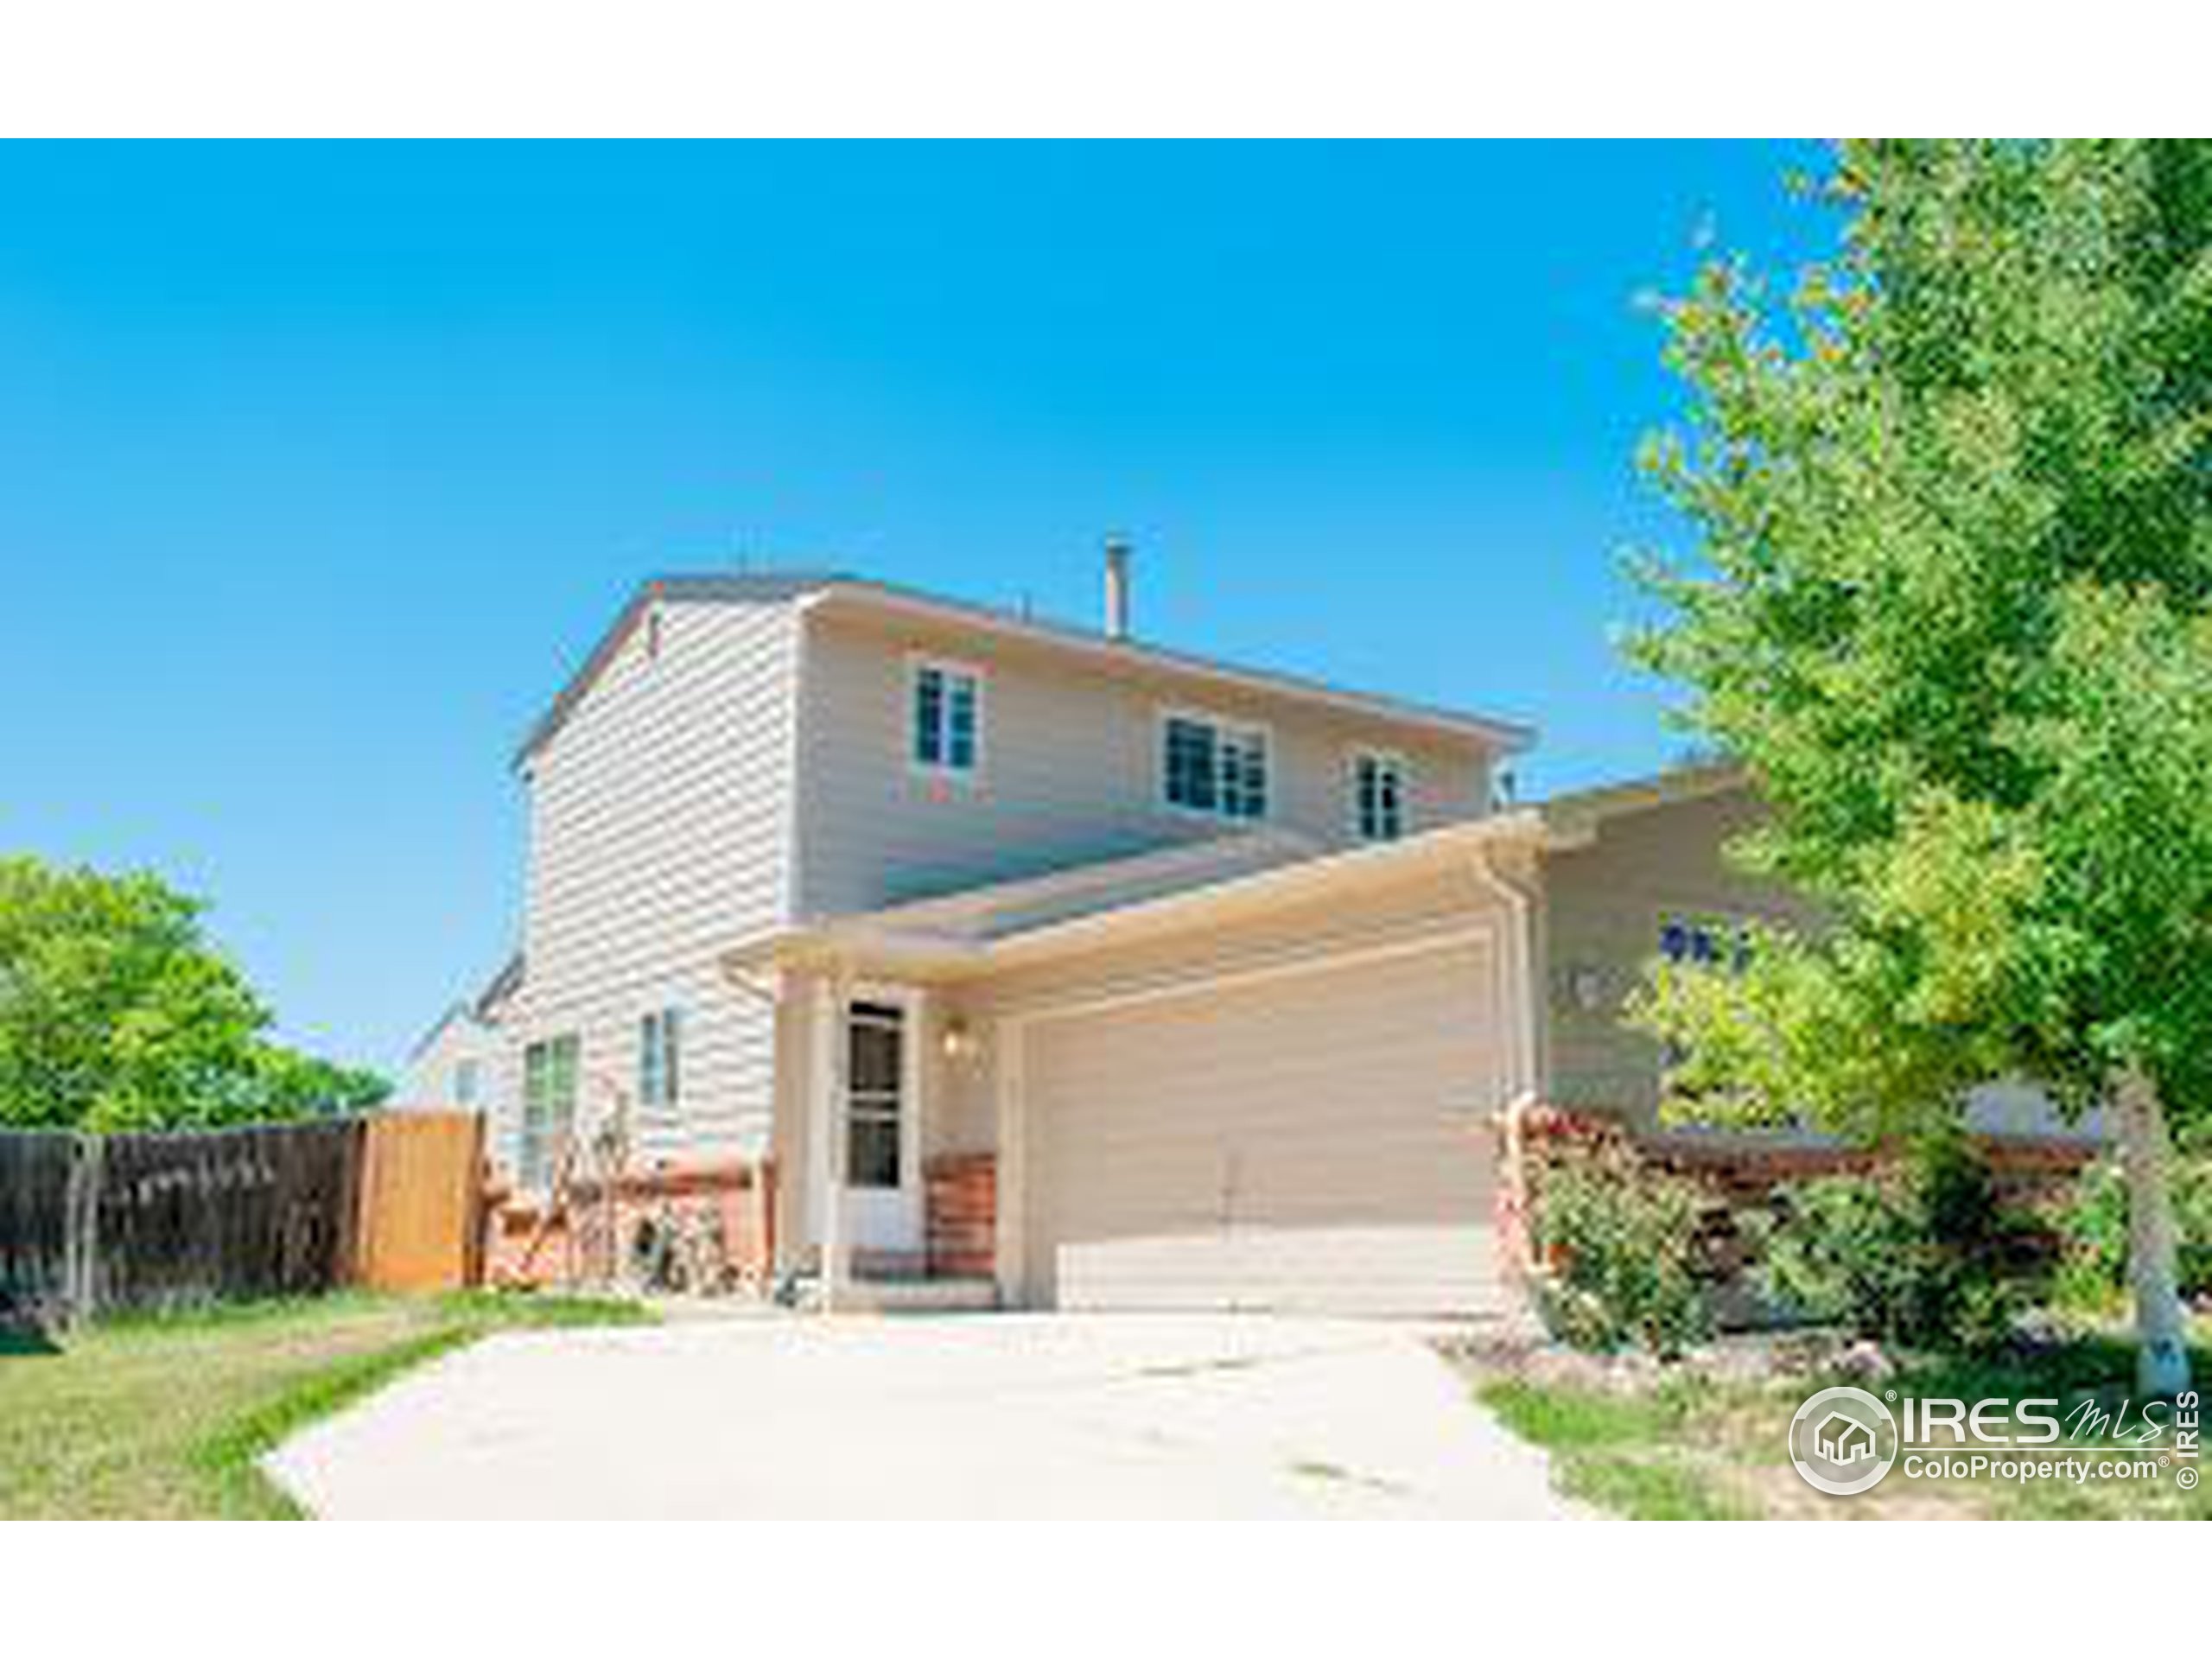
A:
x: 421, y: 1190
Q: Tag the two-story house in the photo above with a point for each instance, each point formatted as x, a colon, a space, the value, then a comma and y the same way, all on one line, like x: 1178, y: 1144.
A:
x: 1111, y: 976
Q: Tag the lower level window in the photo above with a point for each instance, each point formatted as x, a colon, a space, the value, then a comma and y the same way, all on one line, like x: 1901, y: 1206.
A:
x: 549, y: 1109
x: 660, y: 1042
x: 875, y: 1061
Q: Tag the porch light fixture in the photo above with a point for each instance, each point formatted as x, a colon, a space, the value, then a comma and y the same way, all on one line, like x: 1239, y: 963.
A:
x: 959, y: 1042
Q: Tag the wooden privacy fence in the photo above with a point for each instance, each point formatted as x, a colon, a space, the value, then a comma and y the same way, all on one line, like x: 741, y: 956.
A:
x: 38, y: 1190
x: 92, y: 1224
x: 230, y: 1215
x: 422, y: 1202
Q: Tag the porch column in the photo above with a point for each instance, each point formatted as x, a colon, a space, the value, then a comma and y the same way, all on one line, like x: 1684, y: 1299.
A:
x: 826, y: 1133
x: 1009, y: 1202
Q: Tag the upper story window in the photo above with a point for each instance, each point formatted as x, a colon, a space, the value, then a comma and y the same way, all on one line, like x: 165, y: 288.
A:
x: 466, y: 1082
x: 1378, y: 796
x: 947, y: 716
x: 660, y: 1044
x: 1212, y: 766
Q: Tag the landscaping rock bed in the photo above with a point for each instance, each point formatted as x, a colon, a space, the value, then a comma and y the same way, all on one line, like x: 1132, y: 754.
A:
x: 1752, y: 1358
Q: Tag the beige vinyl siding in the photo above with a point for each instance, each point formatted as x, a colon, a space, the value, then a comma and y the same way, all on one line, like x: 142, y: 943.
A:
x: 1069, y: 771
x: 1603, y: 905
x: 1404, y: 913
x: 659, y: 816
x: 1317, y: 1142
x: 1601, y: 915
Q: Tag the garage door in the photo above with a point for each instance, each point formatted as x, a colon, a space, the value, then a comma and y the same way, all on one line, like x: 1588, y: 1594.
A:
x: 1317, y: 1142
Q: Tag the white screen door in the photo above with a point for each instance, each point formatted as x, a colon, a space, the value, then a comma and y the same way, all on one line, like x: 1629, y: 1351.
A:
x: 882, y: 1142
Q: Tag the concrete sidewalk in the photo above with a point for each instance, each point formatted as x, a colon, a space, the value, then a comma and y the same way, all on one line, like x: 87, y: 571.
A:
x: 1007, y: 1416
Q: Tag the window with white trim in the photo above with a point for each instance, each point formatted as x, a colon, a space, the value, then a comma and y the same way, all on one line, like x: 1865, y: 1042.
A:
x: 1378, y: 796
x: 548, y: 1108
x: 946, y: 715
x: 660, y: 1050
x: 465, y: 1083
x: 1212, y: 765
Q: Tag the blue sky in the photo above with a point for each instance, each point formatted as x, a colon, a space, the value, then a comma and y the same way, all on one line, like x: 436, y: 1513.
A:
x: 321, y: 466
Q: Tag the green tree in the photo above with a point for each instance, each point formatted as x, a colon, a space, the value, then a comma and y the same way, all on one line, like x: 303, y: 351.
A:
x: 1952, y: 609
x: 116, y: 1013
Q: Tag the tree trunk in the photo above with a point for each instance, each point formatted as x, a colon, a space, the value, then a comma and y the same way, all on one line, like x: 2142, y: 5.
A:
x: 2153, y: 1268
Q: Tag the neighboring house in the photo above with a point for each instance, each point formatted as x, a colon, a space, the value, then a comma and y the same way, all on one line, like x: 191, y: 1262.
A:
x: 456, y: 1065
x: 1124, y: 978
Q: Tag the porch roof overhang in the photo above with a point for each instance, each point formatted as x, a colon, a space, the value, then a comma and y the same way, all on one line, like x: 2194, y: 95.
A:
x: 923, y: 944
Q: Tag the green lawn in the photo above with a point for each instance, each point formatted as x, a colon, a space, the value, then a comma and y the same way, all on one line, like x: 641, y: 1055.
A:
x: 164, y: 1418
x: 1689, y: 1446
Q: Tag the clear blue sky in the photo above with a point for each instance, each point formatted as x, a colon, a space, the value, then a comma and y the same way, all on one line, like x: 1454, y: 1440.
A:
x: 321, y: 466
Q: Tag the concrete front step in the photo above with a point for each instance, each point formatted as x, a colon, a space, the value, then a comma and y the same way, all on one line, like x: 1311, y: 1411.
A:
x: 909, y: 1296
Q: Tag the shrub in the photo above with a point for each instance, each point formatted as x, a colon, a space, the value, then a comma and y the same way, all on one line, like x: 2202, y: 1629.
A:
x: 1923, y: 1254
x: 1617, y: 1240
x: 2093, y: 1269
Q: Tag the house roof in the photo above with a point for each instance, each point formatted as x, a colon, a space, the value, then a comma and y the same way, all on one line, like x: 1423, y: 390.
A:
x: 837, y: 593
x: 500, y: 987
x: 452, y: 1011
x: 480, y: 1009
x: 987, y: 928
x: 1004, y: 909
x: 1014, y: 924
x: 734, y: 588
x: 1576, y: 816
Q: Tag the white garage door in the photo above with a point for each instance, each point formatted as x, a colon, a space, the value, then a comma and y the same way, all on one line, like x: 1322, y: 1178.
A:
x: 1318, y: 1142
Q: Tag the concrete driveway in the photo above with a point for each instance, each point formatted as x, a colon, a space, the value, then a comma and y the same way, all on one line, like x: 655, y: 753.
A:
x: 1015, y: 1415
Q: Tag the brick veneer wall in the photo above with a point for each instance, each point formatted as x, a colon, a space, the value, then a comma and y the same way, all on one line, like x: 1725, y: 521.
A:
x: 718, y: 1200
x: 2026, y: 1172
x: 962, y: 1197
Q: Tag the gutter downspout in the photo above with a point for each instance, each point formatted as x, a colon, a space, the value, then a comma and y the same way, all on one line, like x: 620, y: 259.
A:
x: 1524, y: 1047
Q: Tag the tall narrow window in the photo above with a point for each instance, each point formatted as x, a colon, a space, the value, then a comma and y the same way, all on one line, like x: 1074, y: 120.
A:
x: 465, y: 1085
x: 948, y: 717
x: 1208, y: 765
x: 549, y: 1109
x: 1378, y: 788
x: 876, y: 1073
x: 659, y: 1066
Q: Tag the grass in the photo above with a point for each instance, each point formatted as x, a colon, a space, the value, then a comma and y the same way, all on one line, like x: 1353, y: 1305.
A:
x: 1695, y: 1446
x: 1630, y: 1453
x: 166, y: 1417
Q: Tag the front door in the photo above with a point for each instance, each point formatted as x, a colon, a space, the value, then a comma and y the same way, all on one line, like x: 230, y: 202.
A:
x: 883, y: 1191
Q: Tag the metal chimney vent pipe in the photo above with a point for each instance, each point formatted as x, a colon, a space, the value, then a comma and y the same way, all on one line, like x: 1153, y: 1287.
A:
x: 1117, y: 588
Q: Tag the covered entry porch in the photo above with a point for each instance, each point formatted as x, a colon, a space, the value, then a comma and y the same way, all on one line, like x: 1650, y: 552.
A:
x: 888, y: 1192
x: 1279, y: 1090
